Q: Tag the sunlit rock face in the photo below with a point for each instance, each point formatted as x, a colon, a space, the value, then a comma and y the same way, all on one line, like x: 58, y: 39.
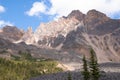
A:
x: 50, y: 33
x: 28, y: 37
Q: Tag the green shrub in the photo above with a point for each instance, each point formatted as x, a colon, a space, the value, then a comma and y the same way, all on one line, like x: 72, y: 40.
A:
x: 23, y: 70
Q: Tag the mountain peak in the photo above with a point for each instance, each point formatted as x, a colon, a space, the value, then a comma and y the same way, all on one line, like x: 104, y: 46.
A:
x: 76, y: 14
x: 11, y: 33
x: 9, y: 28
x: 30, y: 30
x: 96, y: 14
x: 94, y: 17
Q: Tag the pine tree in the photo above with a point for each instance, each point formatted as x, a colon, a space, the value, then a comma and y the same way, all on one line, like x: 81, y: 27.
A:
x: 85, y: 72
x: 94, y: 70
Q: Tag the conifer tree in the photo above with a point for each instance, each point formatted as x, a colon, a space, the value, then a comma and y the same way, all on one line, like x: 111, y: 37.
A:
x: 86, y: 73
x: 69, y: 76
x: 94, y: 70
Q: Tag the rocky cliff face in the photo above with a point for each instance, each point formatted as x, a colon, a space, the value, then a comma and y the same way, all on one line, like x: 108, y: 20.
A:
x: 78, y: 32
x: 50, y: 32
x: 28, y: 37
x: 99, y: 35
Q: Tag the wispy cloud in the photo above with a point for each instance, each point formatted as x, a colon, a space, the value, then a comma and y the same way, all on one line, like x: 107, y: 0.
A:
x: 4, y: 23
x: 37, y: 8
x: 2, y: 9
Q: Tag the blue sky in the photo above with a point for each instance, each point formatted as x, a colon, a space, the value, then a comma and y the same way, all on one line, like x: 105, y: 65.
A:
x: 15, y: 13
x: 25, y: 13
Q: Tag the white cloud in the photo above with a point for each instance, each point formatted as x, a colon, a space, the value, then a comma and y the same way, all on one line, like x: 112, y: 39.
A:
x: 37, y: 8
x: 64, y: 7
x: 4, y: 23
x: 2, y: 9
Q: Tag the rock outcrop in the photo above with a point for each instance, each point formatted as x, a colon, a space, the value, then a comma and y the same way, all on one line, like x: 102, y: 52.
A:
x: 28, y: 37
x: 77, y: 15
x: 11, y: 33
